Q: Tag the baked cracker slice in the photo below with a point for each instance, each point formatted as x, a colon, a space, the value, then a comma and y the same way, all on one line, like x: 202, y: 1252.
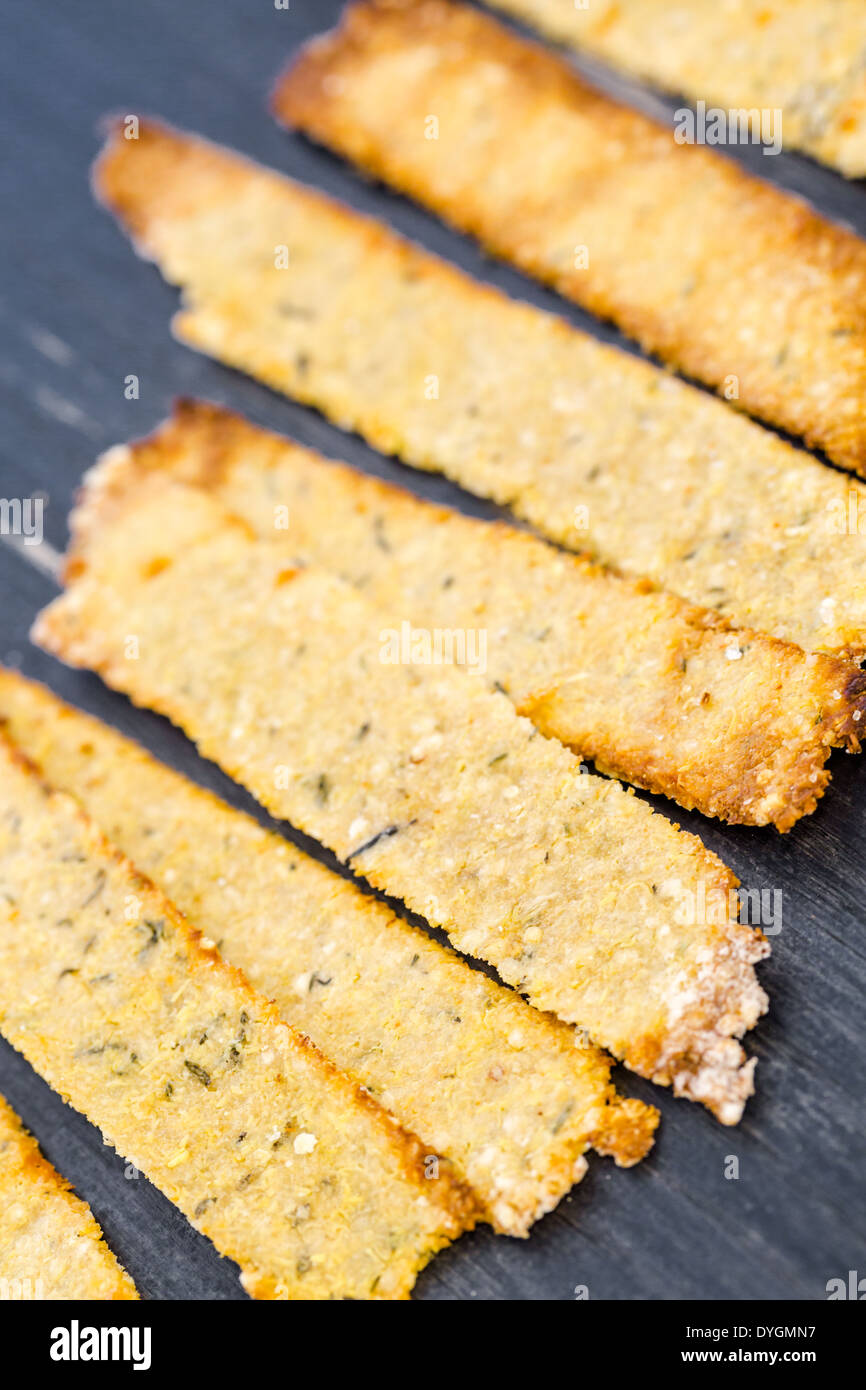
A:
x: 652, y: 689
x: 601, y: 452
x: 805, y: 61
x: 420, y: 777
x: 513, y: 1098
x: 50, y: 1245
x: 112, y: 996
x: 732, y: 281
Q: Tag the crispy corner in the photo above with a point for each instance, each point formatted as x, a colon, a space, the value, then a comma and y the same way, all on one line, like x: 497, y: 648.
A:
x: 846, y: 713
x: 301, y: 97
x: 627, y: 1131
x: 116, y: 179
x: 298, y: 97
x: 701, y: 1058
x: 34, y: 1163
x: 124, y: 473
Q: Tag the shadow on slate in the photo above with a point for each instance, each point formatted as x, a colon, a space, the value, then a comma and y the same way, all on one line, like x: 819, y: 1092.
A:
x: 78, y: 313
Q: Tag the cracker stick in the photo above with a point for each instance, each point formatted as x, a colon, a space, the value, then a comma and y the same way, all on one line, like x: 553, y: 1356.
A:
x: 511, y: 1096
x: 806, y: 60
x: 655, y: 691
x: 270, y: 1151
x: 50, y: 1245
x: 732, y: 281
x: 600, y: 451
x: 419, y: 777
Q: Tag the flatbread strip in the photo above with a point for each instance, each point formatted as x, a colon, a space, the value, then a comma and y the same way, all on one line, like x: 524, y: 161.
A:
x: 511, y: 1096
x: 50, y: 1245
x: 602, y: 452
x: 286, y: 1165
x: 651, y: 689
x: 417, y: 776
x: 709, y: 268
x: 807, y: 60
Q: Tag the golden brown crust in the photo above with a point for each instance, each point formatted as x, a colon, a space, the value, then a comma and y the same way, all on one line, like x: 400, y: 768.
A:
x: 653, y: 690
x: 794, y: 333
x: 667, y: 481
x: 109, y: 1030
x: 514, y: 1121
x: 625, y: 1133
x: 51, y: 1247
x: 805, y: 60
x: 410, y: 1153
x: 582, y: 897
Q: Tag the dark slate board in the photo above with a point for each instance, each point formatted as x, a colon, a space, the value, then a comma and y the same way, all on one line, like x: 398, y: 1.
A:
x: 78, y: 313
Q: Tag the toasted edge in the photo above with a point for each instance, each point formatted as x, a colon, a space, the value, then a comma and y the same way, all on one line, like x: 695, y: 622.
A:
x: 456, y: 1202
x: 301, y: 99
x: 46, y: 1176
x: 698, y: 1055
x: 755, y: 800
x: 626, y: 1131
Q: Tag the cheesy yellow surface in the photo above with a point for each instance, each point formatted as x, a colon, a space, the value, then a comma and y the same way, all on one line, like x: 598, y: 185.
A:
x: 601, y: 452
x: 419, y: 776
x: 50, y: 1245
x: 652, y: 689
x: 266, y: 1147
x: 725, y: 277
x: 511, y: 1096
x: 804, y: 58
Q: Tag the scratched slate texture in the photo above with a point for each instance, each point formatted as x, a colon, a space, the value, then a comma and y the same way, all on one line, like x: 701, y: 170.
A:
x: 78, y: 313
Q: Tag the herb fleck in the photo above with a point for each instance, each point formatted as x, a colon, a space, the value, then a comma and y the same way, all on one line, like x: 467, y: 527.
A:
x: 100, y: 884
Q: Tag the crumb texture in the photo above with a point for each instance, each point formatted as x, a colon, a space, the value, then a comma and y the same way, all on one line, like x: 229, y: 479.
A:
x: 51, y: 1248
x: 269, y: 1150
x: 601, y: 452
x: 807, y: 60
x: 603, y: 204
x: 508, y: 1095
x: 652, y: 689
x: 419, y: 777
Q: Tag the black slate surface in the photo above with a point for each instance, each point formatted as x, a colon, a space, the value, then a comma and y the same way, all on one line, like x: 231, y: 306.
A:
x: 79, y: 313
